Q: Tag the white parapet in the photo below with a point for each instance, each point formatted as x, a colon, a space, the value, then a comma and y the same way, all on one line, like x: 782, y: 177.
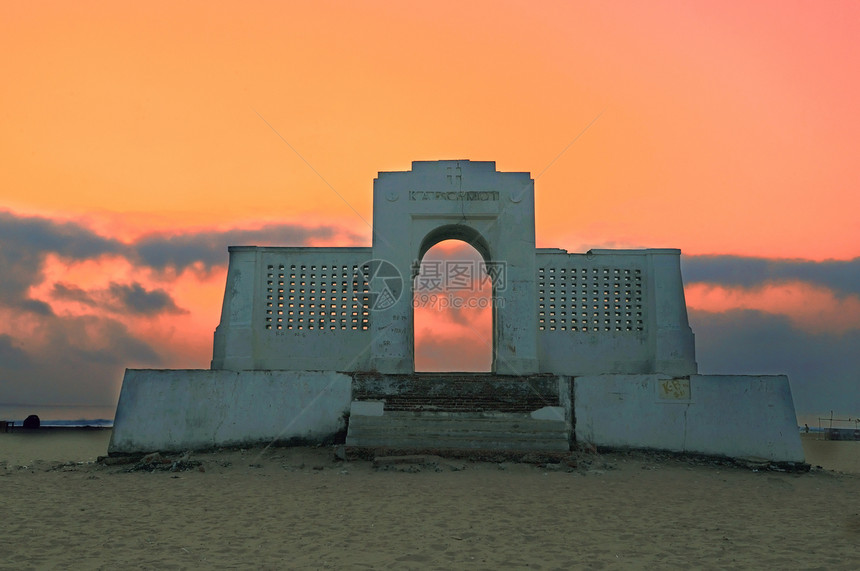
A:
x: 297, y: 309
x: 613, y: 312
x: 724, y: 415
x: 172, y: 410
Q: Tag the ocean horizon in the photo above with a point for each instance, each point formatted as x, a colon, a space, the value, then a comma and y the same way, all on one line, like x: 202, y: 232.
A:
x: 60, y: 415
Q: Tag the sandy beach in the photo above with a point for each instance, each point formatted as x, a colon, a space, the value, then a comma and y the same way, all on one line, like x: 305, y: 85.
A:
x: 303, y: 508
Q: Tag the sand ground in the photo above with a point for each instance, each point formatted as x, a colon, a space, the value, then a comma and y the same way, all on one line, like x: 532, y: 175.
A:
x: 302, y: 508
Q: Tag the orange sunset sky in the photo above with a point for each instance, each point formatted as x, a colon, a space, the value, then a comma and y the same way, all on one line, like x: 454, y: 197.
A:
x: 139, y: 140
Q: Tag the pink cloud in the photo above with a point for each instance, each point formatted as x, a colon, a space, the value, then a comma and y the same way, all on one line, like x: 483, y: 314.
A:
x: 810, y: 308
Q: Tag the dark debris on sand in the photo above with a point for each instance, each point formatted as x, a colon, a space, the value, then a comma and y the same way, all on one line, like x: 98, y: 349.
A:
x: 583, y: 459
x: 156, y: 462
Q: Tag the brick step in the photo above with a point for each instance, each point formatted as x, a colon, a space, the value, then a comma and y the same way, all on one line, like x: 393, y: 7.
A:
x: 454, y: 424
x: 404, y: 403
x: 457, y: 391
x: 402, y: 432
x: 453, y: 392
x: 435, y: 442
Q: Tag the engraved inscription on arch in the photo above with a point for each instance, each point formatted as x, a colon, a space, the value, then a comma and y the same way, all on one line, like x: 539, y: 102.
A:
x: 480, y: 195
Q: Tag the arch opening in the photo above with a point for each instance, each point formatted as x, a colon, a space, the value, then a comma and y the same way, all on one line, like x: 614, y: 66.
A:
x: 455, y: 232
x: 452, y: 301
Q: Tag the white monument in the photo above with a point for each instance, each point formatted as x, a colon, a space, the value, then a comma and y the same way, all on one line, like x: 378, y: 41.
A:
x: 592, y: 347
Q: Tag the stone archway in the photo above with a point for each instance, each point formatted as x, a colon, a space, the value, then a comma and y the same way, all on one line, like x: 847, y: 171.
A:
x: 469, y: 201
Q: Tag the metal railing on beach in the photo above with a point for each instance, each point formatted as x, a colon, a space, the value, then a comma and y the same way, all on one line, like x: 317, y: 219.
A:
x: 843, y: 429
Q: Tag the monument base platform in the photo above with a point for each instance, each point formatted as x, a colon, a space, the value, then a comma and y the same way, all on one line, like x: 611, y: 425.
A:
x: 176, y: 410
x: 737, y: 416
x: 732, y: 416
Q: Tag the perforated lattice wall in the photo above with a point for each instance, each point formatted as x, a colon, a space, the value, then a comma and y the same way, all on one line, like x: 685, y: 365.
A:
x: 317, y: 297
x: 590, y: 299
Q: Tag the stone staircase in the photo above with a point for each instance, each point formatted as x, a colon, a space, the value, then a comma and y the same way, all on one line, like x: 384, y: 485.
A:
x: 472, y: 431
x: 457, y: 411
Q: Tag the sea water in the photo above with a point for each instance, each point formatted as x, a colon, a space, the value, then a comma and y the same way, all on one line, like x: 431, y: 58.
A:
x: 60, y: 415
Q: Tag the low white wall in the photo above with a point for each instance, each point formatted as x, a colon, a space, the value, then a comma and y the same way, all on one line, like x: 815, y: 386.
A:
x: 727, y: 415
x: 193, y: 409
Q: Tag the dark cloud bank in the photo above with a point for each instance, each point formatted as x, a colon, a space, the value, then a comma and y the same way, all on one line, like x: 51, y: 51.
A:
x: 824, y: 369
x: 840, y: 276
x: 80, y: 360
x: 130, y: 298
